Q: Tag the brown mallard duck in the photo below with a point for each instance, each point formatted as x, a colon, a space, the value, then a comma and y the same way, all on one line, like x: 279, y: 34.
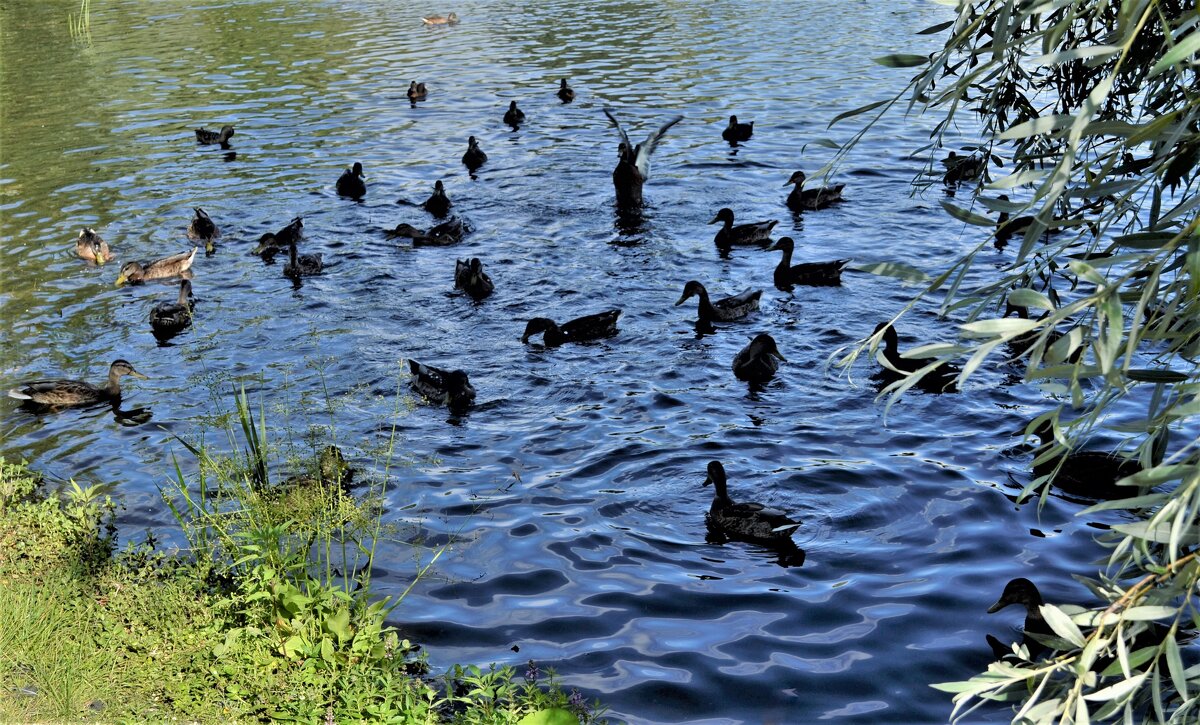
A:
x: 438, y: 204
x: 302, y: 265
x: 203, y: 229
x: 451, y: 388
x: 68, y: 393
x: 205, y: 137
x: 450, y: 19
x: 514, y: 116
x: 817, y: 274
x: 173, y: 266
x: 742, y: 234
x: 1093, y: 474
x: 735, y: 131
x: 351, y: 182
x: 633, y: 162
x: 802, y: 199
x: 725, y: 309
x: 758, y: 361
x: 170, y: 318
x: 745, y: 520
x: 445, y: 234
x: 470, y: 278
x: 566, y: 94
x: 582, y: 329
x: 90, y: 246
x: 939, y: 380
x: 473, y: 157
x: 272, y: 243
x: 416, y: 91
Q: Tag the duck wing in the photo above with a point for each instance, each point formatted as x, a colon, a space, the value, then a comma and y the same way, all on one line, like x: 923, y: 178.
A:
x: 817, y: 273
x: 57, y: 392
x: 171, y: 265
x: 590, y: 327
x: 428, y: 380
x: 734, y: 302
x: 617, y: 124
x: 644, y: 149
x: 754, y: 232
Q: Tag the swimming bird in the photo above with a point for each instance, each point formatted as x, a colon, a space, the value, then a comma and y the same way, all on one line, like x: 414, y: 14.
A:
x: 565, y: 93
x: 473, y: 157
x: 802, y: 199
x: 330, y: 468
x: 90, y: 246
x: 514, y: 116
x: 451, y: 388
x: 725, y: 309
x: 173, y: 266
x: 746, y: 520
x: 590, y: 327
x: 962, y: 168
x: 170, y: 318
x: 202, y: 228
x: 633, y: 163
x: 735, y: 131
x: 470, y: 278
x: 809, y: 273
x: 272, y: 242
x: 438, y: 204
x: 1093, y: 474
x: 758, y: 361
x: 302, y: 265
x: 67, y: 393
x: 1022, y: 591
x: 416, y: 91
x: 450, y: 19
x: 351, y: 182
x: 743, y: 234
x: 448, y: 232
x: 939, y: 380
x: 206, y: 137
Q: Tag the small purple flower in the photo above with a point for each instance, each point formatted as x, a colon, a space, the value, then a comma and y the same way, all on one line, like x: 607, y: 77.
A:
x: 576, y: 700
x: 532, y: 673
x: 329, y: 716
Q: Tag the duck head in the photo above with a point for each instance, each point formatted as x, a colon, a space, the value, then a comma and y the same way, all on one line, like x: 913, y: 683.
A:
x: 471, y: 142
x: 226, y: 134
x: 891, y: 341
x: 784, y: 244
x: 93, y: 240
x: 123, y: 367
x: 562, y: 84
x: 266, y: 243
x: 357, y: 169
x: 797, y: 178
x: 716, y: 475
x: 732, y: 121
x: 130, y: 272
x: 185, y: 291
x: 537, y: 326
x: 1019, y: 591
x: 438, y: 188
x: 690, y: 290
x: 763, y: 344
x: 459, y: 391
x: 512, y: 106
x: 723, y: 215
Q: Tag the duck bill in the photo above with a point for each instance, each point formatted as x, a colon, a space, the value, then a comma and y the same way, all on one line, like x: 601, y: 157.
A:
x: 779, y: 355
x: 707, y: 481
x: 681, y: 300
x: 139, y: 376
x: 1001, y: 604
x: 524, y: 339
x: 121, y: 279
x: 715, y: 220
x: 100, y: 258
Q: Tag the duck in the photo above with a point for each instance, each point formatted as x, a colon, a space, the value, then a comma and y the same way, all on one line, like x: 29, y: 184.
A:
x: 91, y: 246
x: 735, y: 131
x: 746, y: 520
x: 1023, y: 344
x: 470, y: 278
x: 449, y: 387
x: 758, y: 361
x: 1093, y: 474
x: 566, y: 94
x: 170, y: 318
x: 329, y: 469
x: 939, y: 380
x: 207, y: 138
x: 68, y: 393
x: 1022, y: 591
x: 633, y: 162
x: 802, y: 199
x: 438, y: 204
x: 302, y: 265
x: 450, y: 19
x: 514, y: 116
x: 448, y: 232
x: 582, y: 329
x: 416, y: 91
x: 203, y: 229
x: 743, y: 234
x: 173, y: 266
x: 962, y: 168
x: 473, y: 157
x: 725, y: 309
x: 272, y: 242
x: 808, y: 273
x: 351, y: 182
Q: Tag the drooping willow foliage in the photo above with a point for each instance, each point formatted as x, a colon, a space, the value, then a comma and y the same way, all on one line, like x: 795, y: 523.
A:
x: 1087, y: 111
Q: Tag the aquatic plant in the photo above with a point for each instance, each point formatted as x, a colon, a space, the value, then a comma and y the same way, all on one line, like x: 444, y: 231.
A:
x: 80, y: 24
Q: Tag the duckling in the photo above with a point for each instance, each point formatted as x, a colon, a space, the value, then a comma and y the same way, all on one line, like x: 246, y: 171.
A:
x: 207, y: 138
x: 67, y: 393
x: 203, y: 229
x: 470, y: 278
x: 271, y: 243
x: 743, y: 234
x: 758, y: 361
x: 1093, y: 474
x: 583, y: 329
x: 474, y: 157
x: 331, y: 469
x: 810, y: 273
x: 170, y: 318
x: 962, y: 168
x: 633, y: 162
x: 514, y: 116
x: 90, y: 246
x: 450, y: 19
x: 173, y: 266
x: 416, y: 91
x: 351, y: 182
x: 726, y: 309
x: 449, y: 387
x: 1022, y: 591
x: 302, y: 265
x: 938, y: 380
x: 746, y: 520
x: 565, y: 93
x: 802, y: 199
x: 735, y: 131
x: 438, y: 204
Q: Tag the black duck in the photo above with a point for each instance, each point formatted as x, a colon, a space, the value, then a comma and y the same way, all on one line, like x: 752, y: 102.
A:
x: 207, y: 138
x: 742, y: 234
x: 1093, y: 474
x: 725, y: 309
x: 448, y: 387
x: 591, y: 327
x: 514, y: 116
x: 758, y: 361
x: 90, y: 246
x: 174, y: 266
x: 735, y: 131
x: 351, y: 182
x: 748, y: 521
x: 170, y: 318
x: 633, y: 162
x: 473, y: 157
x: 939, y: 380
x: 802, y: 199
x: 271, y: 243
x: 1022, y: 591
x: 470, y: 278
x: 565, y: 93
x: 67, y: 393
x: 438, y: 204
x: 961, y: 169
x: 202, y: 229
x: 302, y: 265
x: 816, y: 274
x: 416, y: 91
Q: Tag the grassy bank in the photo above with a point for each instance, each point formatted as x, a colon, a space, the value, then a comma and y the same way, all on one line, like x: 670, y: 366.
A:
x: 239, y: 629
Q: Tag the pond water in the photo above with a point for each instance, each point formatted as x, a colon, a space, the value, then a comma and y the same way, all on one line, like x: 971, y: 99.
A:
x: 573, y: 488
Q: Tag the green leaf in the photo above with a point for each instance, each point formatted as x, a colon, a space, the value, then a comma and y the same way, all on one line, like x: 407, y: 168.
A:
x: 1175, y: 666
x: 1117, y: 691
x: 1090, y: 51
x: 901, y: 60
x: 551, y: 716
x: 1062, y: 625
x: 899, y: 270
x: 857, y: 111
x: 1185, y: 48
x: 965, y: 216
x: 935, y: 29
x: 1143, y: 375
x: 1037, y: 126
x: 1149, y: 612
x: 338, y: 624
x: 1024, y: 297
x: 1006, y: 327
